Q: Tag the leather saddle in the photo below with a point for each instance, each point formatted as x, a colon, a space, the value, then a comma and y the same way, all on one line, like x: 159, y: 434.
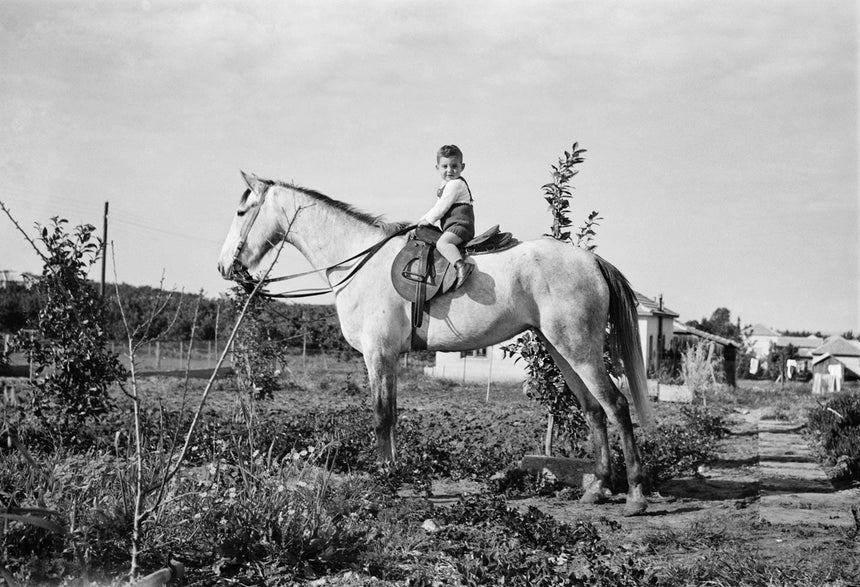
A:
x: 419, y: 273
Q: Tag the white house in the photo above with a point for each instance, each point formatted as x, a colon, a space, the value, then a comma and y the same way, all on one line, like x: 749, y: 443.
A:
x: 8, y: 276
x: 490, y: 364
x: 480, y: 365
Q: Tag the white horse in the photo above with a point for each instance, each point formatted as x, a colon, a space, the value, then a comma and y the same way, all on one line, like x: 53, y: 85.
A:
x: 563, y: 292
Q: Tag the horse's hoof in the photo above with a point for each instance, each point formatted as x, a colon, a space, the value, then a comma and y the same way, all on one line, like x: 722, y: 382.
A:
x: 634, y: 507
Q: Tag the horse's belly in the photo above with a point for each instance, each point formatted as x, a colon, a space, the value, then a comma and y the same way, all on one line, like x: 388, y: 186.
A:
x: 465, y: 325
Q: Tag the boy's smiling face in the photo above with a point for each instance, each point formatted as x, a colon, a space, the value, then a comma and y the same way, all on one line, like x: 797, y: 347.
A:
x: 450, y: 167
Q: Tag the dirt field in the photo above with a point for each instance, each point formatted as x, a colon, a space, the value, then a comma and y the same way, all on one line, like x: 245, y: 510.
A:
x: 762, y: 513
x: 741, y: 510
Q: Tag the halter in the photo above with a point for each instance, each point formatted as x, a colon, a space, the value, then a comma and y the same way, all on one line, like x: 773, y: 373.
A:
x: 244, y: 278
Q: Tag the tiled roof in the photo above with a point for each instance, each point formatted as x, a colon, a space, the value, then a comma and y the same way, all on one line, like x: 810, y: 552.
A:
x: 801, y: 342
x: 839, y: 347
x: 760, y: 330
x: 648, y: 307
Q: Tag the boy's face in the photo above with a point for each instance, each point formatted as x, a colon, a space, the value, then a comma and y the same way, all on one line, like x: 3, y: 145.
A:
x: 450, y: 167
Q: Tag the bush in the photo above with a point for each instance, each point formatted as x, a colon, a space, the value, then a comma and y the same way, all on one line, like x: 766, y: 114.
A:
x: 675, y: 449
x: 835, y: 426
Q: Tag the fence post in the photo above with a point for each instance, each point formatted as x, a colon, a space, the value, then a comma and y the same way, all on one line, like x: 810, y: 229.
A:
x: 157, y: 355
x: 182, y: 353
x: 208, y: 353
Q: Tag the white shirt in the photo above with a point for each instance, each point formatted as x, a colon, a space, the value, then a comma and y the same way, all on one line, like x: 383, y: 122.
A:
x: 453, y: 192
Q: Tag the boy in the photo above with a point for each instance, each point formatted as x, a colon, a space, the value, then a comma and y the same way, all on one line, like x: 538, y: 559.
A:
x: 453, y: 211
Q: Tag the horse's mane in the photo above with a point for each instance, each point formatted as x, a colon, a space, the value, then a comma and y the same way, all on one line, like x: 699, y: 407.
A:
x: 369, y: 219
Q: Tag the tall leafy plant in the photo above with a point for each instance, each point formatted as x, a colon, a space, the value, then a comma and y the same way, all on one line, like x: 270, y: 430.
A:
x: 74, y: 366
x: 257, y: 354
x: 545, y: 382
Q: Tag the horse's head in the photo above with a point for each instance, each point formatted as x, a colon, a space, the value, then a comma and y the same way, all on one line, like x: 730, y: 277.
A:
x: 254, y: 231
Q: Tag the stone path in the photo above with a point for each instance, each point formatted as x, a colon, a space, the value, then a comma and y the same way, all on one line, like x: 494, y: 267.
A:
x: 793, y: 487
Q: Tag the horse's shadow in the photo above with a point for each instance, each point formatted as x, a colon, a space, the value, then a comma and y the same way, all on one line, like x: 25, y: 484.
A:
x: 703, y: 489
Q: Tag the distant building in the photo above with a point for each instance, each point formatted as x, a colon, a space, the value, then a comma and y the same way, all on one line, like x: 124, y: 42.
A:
x: 762, y: 340
x: 656, y: 329
x: 8, y: 276
x: 833, y: 363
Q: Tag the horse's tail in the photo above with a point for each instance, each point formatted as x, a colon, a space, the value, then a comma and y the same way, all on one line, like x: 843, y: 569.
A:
x: 624, y: 336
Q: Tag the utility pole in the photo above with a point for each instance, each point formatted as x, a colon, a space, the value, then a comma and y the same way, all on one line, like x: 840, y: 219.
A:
x: 104, y: 252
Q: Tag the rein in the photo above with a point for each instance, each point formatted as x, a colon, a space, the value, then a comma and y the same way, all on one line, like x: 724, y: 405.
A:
x: 246, y: 280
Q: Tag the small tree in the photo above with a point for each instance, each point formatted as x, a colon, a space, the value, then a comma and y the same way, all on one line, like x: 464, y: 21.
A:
x: 546, y: 383
x: 73, y: 366
x: 257, y: 357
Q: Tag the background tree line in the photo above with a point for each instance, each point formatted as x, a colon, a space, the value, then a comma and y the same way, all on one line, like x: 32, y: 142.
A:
x: 313, y: 325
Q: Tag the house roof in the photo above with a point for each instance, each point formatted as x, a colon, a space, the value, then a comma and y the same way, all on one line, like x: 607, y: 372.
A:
x: 838, y: 347
x: 10, y: 275
x: 681, y: 328
x: 760, y: 330
x: 648, y: 307
x: 800, y: 342
x: 850, y: 363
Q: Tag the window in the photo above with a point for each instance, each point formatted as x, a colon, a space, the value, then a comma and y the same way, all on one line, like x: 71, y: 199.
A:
x: 479, y: 353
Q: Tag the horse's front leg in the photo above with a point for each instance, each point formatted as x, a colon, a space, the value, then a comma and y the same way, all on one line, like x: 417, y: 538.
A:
x: 382, y: 375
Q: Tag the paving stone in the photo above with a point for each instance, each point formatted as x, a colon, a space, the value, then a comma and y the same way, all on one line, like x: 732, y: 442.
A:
x: 793, y: 487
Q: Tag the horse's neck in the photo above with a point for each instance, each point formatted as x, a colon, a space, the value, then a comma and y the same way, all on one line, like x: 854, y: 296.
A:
x: 326, y: 235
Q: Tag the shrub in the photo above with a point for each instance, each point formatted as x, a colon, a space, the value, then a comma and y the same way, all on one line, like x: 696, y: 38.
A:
x: 698, y: 364
x: 836, y: 427
x: 677, y: 448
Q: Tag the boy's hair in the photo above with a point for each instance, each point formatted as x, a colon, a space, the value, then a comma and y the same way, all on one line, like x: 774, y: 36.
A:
x: 449, y: 151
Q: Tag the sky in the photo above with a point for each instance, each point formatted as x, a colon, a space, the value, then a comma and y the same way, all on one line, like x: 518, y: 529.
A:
x: 721, y: 136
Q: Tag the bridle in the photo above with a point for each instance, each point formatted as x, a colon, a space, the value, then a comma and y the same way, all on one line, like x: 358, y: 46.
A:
x: 245, y: 279
x: 240, y: 274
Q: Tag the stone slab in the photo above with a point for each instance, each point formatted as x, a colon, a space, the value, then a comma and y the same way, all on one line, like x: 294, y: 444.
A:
x: 568, y: 471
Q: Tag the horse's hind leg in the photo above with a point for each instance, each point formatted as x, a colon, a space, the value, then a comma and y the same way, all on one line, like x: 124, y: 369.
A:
x: 593, y: 374
x: 584, y: 354
x: 595, y: 417
x: 382, y: 376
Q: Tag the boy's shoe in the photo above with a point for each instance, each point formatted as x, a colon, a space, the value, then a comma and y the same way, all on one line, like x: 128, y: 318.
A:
x: 464, y: 270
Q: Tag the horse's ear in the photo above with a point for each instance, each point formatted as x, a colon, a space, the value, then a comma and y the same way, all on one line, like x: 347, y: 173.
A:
x: 254, y: 183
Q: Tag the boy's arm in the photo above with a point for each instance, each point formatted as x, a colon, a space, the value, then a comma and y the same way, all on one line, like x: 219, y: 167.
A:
x: 449, y: 196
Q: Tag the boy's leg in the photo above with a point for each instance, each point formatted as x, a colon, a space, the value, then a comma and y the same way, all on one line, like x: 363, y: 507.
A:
x: 447, y: 247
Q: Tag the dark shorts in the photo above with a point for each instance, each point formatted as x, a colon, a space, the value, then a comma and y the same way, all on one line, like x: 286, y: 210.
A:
x: 460, y: 221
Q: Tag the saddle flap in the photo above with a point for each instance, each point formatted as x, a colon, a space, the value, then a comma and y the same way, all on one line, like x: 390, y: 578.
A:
x: 406, y: 274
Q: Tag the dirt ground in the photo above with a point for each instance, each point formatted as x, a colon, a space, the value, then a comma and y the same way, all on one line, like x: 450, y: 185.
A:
x: 762, y: 513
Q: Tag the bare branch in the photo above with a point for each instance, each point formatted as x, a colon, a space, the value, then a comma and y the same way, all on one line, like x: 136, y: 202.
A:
x: 21, y: 230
